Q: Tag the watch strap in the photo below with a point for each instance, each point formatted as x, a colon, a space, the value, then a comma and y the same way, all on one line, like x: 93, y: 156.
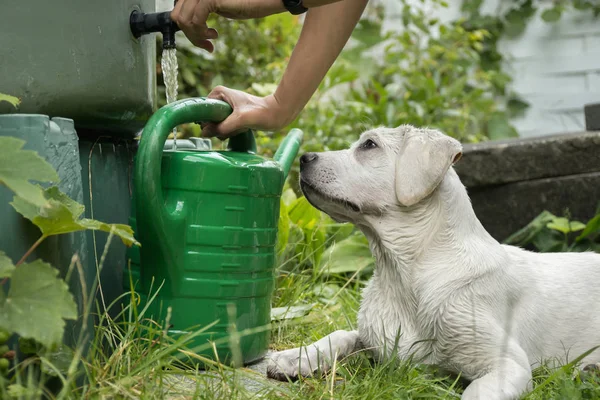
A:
x: 295, y: 7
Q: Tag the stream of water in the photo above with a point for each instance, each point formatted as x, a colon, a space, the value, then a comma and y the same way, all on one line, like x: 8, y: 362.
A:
x: 170, y: 68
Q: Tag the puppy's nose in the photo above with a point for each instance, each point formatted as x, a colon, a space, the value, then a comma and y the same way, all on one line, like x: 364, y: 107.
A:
x: 308, y: 157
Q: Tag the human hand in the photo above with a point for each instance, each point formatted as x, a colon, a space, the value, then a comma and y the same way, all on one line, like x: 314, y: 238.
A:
x: 191, y: 16
x: 249, y: 112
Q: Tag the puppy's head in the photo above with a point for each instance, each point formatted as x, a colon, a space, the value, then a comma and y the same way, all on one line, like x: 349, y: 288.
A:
x: 385, y: 169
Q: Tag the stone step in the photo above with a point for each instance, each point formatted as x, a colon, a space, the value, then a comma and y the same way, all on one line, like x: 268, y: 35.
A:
x: 511, y: 181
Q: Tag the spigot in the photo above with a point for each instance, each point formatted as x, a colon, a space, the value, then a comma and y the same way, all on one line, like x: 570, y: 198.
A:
x: 141, y: 24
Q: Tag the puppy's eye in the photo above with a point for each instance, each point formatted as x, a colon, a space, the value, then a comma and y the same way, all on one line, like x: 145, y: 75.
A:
x: 368, y: 144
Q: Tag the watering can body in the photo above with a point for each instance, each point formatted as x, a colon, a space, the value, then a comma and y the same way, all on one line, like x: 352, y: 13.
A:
x: 207, y: 223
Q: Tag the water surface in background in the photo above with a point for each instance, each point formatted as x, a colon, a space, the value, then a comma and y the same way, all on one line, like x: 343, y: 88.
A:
x: 169, y: 68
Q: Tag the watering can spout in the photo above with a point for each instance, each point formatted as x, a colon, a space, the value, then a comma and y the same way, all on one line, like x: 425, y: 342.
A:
x: 288, y: 150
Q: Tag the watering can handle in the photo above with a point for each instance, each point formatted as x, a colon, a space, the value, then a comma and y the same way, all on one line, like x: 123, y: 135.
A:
x: 148, y: 161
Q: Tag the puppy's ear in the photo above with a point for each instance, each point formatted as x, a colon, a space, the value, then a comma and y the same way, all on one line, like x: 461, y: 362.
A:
x: 422, y: 163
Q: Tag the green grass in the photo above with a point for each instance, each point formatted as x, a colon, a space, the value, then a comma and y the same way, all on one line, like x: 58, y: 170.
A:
x: 132, y: 358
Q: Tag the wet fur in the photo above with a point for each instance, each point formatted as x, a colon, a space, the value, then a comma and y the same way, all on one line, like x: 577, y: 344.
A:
x: 446, y: 291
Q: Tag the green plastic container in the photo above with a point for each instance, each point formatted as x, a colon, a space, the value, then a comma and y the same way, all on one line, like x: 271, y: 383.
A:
x: 79, y: 60
x: 207, y: 222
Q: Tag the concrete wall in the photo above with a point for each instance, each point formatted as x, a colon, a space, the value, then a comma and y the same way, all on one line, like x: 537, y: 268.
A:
x: 557, y: 70
x: 164, y: 5
x: 510, y: 182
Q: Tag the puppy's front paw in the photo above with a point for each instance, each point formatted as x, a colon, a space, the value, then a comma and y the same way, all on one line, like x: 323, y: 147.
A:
x: 293, y: 363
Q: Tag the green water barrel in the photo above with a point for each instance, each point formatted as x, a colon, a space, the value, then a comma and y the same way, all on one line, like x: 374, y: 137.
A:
x: 106, y: 164
x: 78, y: 60
x: 54, y: 140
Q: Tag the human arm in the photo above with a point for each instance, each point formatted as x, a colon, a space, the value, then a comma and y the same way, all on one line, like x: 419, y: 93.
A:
x: 191, y: 15
x: 325, y: 31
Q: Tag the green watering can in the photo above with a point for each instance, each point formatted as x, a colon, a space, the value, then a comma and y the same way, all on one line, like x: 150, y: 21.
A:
x: 207, y: 222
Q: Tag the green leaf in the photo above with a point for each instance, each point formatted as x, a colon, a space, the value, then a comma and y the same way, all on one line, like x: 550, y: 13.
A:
x: 57, y: 361
x: 283, y: 227
x: 559, y: 224
x: 303, y: 214
x: 326, y: 291
x: 565, y: 226
x: 62, y: 215
x: 514, y: 29
x: 584, y: 245
x: 349, y: 255
x: 294, y: 248
x: 6, y: 266
x: 576, y: 226
x: 565, y: 369
x: 291, y: 312
x: 406, y: 15
x: 592, y: 226
x: 18, y: 167
x: 37, y: 304
x: 263, y: 89
x: 549, y: 241
x: 500, y: 128
x: 526, y: 234
x: 189, y: 77
x: 551, y: 14
x: 217, y: 80
x: 316, y: 238
x: 338, y: 232
x: 420, y: 23
x: 516, y: 107
x: 471, y: 6
x: 582, y: 5
x: 124, y: 232
x: 29, y: 346
x: 308, y: 219
x: 16, y: 391
x: 368, y: 32
x: 15, y: 101
x: 517, y: 17
x: 288, y: 196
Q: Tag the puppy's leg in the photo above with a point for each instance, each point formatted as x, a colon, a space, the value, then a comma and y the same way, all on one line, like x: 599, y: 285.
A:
x: 503, y: 375
x: 319, y: 356
x: 506, y: 382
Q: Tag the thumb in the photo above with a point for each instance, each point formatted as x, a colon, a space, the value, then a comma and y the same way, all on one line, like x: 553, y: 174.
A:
x: 230, y: 126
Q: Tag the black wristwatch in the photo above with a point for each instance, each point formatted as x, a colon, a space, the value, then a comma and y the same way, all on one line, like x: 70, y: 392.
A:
x: 294, y: 6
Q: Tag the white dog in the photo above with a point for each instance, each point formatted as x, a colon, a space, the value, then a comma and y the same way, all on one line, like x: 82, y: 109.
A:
x: 444, y: 291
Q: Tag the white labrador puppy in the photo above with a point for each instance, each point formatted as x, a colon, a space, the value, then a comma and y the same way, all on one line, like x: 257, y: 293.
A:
x: 444, y: 291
